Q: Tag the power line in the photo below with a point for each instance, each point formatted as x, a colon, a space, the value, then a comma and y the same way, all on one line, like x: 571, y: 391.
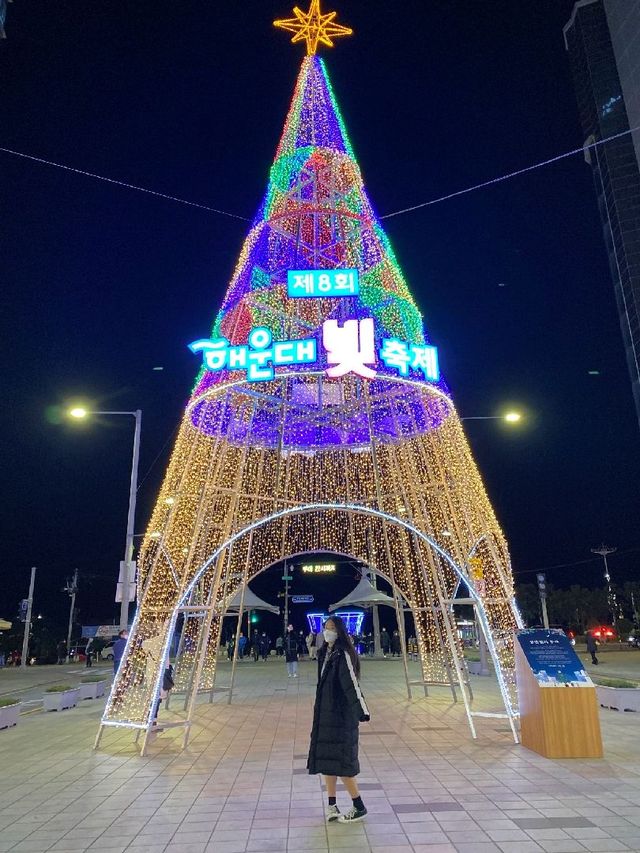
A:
x: 511, y: 174
x: 158, y: 455
x: 433, y: 201
x: 123, y: 184
x: 569, y: 565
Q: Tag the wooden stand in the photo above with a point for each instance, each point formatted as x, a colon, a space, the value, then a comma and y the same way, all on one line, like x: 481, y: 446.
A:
x: 557, y: 722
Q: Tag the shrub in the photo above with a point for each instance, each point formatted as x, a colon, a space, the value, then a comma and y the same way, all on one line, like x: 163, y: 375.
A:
x: 92, y: 679
x: 614, y: 682
x: 7, y: 701
x: 58, y: 688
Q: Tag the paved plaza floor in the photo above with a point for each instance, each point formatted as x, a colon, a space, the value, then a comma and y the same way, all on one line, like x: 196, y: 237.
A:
x: 242, y: 785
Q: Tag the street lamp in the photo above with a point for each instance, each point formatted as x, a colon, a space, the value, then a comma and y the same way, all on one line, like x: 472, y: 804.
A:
x: 604, y: 551
x: 78, y: 412
x: 508, y: 417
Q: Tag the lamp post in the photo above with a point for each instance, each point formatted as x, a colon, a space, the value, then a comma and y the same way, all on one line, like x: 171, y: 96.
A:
x: 509, y: 417
x: 604, y: 551
x: 80, y: 413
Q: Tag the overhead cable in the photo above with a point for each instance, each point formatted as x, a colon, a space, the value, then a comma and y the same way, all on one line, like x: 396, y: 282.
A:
x: 124, y: 184
x: 424, y: 204
x: 511, y: 174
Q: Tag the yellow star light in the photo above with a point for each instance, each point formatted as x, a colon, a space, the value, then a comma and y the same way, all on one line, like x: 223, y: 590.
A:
x: 313, y: 27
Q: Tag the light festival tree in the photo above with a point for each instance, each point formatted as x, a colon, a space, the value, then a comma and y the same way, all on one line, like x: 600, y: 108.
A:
x: 319, y: 422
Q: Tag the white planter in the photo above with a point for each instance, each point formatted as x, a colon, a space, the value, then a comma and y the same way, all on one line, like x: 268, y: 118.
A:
x: 9, y: 715
x: 619, y: 698
x: 92, y: 689
x: 60, y: 701
x: 475, y: 668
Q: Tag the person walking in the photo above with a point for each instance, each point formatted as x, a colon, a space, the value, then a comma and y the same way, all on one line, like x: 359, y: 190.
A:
x: 337, y: 712
x: 255, y: 646
x: 231, y: 644
x: 88, y: 655
x: 264, y: 644
x: 118, y: 649
x: 311, y: 644
x: 396, y: 646
x: 61, y: 649
x: 385, y: 641
x: 242, y: 642
x: 291, y: 652
x: 279, y: 646
x: 592, y: 647
x: 302, y: 646
x: 167, y: 687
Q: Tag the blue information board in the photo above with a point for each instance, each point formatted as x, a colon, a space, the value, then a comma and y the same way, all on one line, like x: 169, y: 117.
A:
x: 552, y: 658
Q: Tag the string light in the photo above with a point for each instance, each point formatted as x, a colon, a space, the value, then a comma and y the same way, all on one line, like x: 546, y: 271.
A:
x: 377, y: 469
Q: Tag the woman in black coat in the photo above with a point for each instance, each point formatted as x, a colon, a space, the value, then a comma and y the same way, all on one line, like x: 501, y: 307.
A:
x: 339, y: 707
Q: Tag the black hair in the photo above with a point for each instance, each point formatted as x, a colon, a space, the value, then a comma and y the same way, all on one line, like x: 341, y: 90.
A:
x: 345, y: 642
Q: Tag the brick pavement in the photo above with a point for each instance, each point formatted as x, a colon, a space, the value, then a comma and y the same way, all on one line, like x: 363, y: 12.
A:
x: 241, y: 785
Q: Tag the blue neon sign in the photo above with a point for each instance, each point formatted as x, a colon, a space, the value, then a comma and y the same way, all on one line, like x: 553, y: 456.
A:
x: 259, y: 357
x: 317, y: 283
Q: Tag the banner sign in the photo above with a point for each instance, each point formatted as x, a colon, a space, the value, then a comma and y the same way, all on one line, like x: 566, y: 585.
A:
x: 132, y: 581
x: 259, y: 357
x: 350, y: 348
x: 552, y: 658
x: 318, y: 568
x: 106, y: 632
x: 310, y: 283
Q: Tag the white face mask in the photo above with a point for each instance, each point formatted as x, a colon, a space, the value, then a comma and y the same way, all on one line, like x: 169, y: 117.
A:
x: 330, y: 636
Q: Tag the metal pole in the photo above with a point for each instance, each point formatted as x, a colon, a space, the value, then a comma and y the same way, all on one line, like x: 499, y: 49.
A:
x: 236, y: 649
x: 545, y: 615
x: 27, y: 624
x: 482, y: 645
x: 72, y: 592
x: 604, y: 551
x: 286, y: 598
x: 128, y: 549
x: 377, y: 648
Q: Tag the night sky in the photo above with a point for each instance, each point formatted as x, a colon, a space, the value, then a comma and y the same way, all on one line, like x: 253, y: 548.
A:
x: 100, y: 284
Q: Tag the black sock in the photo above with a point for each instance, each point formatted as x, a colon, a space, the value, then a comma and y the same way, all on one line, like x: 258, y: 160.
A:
x: 358, y: 804
x: 332, y: 801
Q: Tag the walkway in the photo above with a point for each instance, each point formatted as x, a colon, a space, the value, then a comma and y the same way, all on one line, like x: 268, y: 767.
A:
x: 242, y: 785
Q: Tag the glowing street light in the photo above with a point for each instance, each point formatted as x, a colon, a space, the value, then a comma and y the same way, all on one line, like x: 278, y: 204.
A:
x: 508, y: 417
x: 79, y: 412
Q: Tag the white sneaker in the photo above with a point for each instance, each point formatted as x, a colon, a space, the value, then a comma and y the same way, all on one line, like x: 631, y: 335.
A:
x: 354, y: 815
x: 295, y: 675
x: 333, y: 813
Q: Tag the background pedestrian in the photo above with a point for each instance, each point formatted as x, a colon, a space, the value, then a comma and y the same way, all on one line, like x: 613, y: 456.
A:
x: 291, y: 652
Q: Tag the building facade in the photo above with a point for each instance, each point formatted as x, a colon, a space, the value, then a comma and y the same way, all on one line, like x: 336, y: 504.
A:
x: 602, y: 38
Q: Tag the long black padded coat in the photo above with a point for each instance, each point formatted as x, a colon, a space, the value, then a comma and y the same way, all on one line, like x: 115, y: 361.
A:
x: 338, y: 709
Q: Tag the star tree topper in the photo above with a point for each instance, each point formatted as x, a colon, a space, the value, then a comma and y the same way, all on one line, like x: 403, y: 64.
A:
x: 313, y: 27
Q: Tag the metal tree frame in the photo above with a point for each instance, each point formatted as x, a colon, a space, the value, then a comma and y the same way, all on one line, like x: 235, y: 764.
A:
x: 228, y: 510
x: 375, y: 468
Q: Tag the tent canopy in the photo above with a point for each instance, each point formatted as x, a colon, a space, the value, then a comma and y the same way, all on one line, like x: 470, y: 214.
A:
x: 251, y: 602
x: 365, y: 594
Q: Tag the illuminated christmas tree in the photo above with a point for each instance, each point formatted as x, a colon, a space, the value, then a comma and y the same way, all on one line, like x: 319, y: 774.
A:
x: 319, y: 422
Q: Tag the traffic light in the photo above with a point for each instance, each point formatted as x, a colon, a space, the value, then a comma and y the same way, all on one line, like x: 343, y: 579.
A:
x: 254, y: 618
x: 542, y: 585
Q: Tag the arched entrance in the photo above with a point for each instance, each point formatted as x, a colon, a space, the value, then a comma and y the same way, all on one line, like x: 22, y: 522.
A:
x: 421, y: 570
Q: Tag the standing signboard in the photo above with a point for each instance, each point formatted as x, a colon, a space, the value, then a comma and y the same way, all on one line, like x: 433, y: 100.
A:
x: 558, y: 706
